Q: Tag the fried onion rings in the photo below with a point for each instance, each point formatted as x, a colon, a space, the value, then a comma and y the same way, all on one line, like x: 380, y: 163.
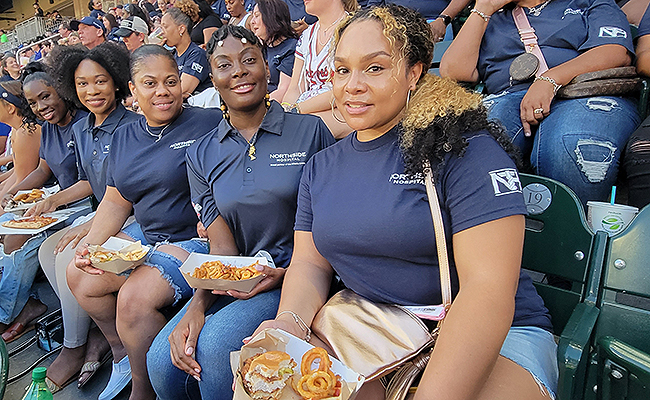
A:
x: 319, y: 383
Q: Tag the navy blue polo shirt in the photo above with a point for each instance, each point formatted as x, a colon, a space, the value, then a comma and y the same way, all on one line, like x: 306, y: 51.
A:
x: 430, y: 9
x: 194, y: 62
x: 644, y: 25
x: 151, y: 173
x: 58, y: 150
x: 280, y: 59
x: 373, y: 223
x: 256, y: 198
x: 93, y: 144
x: 564, y: 28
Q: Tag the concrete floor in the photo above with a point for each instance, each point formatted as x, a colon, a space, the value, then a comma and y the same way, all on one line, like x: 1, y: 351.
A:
x: 22, y: 360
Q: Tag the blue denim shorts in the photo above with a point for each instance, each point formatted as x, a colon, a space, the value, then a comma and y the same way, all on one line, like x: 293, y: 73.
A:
x: 534, y: 349
x: 167, y: 264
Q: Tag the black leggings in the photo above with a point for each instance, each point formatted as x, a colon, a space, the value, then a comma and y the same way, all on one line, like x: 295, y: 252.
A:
x: 636, y: 164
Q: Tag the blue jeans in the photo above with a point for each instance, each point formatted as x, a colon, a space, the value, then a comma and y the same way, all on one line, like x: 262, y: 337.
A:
x: 19, y: 270
x: 227, y: 322
x: 579, y: 143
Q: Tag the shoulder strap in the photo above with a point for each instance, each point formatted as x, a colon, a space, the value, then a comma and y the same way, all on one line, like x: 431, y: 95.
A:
x: 441, y: 242
x: 529, y: 38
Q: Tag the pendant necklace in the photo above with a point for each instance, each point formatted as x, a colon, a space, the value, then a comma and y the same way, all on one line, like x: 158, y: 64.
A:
x: 157, y: 136
x: 535, y: 11
x: 251, y: 146
x: 327, y: 29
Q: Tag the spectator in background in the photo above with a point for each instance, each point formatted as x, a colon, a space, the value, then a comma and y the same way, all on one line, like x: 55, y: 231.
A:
x: 10, y: 68
x: 73, y: 39
x: 36, y: 48
x: 271, y: 23
x: 134, y: 32
x: 238, y: 14
x: 206, y: 24
x: 3, y: 37
x: 64, y: 29
x: 38, y: 11
x: 438, y: 13
x: 636, y: 160
x: 26, y: 56
x: 95, y: 7
x: 311, y: 81
x: 92, y: 31
x: 135, y: 10
x: 119, y: 12
x: 192, y: 62
x: 219, y: 7
x: 576, y: 141
x: 111, y: 26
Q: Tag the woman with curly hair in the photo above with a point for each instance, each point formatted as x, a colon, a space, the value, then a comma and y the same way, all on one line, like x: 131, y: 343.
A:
x: 192, y: 63
x: 146, y: 174
x: 311, y: 81
x: 383, y: 247
x: 97, y: 80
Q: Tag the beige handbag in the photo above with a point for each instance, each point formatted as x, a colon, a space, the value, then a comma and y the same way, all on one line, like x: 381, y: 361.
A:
x: 374, y: 339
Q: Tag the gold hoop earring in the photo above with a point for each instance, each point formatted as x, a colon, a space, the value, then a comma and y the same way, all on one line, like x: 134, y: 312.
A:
x: 334, y: 115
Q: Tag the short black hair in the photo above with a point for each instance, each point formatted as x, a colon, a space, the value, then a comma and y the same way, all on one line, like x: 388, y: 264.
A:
x: 235, y: 31
x: 277, y: 19
x: 205, y: 9
x: 139, y: 56
x: 113, y: 57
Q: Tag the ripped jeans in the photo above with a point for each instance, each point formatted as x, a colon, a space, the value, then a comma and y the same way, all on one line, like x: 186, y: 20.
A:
x: 579, y: 143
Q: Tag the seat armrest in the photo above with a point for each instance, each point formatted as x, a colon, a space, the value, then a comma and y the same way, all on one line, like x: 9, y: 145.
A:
x: 573, y: 351
x: 632, y: 359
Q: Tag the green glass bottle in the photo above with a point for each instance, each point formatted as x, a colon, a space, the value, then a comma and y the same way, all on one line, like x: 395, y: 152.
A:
x: 38, y: 389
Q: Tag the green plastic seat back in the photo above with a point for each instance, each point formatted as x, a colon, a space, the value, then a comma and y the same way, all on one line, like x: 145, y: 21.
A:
x: 4, y: 367
x: 558, y: 244
x: 622, y: 333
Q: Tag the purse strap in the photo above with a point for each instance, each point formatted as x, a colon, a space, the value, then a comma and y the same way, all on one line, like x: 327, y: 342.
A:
x: 441, y: 241
x: 528, y: 37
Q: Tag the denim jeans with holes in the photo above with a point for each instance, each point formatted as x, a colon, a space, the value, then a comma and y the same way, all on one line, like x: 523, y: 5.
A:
x: 579, y: 143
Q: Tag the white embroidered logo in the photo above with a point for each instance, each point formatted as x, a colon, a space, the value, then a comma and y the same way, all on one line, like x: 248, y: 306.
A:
x: 571, y: 11
x: 505, y: 181
x: 197, y: 67
x: 612, y: 32
x: 288, y: 159
x: 404, y: 179
x: 180, y: 145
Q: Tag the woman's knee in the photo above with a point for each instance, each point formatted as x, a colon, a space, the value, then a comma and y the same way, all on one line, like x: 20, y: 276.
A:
x: 144, y: 292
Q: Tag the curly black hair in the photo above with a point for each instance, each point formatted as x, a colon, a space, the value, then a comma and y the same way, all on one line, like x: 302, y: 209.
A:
x: 35, y: 71
x: 238, y: 32
x: 113, y: 57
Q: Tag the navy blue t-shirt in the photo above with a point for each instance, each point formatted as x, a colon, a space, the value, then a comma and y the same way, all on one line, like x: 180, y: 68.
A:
x: 644, y: 25
x: 58, y: 150
x: 256, y: 198
x: 430, y: 9
x: 220, y: 9
x: 564, y: 28
x: 280, y: 59
x: 297, y: 11
x: 373, y: 223
x: 152, y: 175
x: 93, y: 144
x: 194, y: 62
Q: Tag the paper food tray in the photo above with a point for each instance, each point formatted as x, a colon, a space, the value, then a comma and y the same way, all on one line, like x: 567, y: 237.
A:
x: 276, y: 339
x: 20, y: 208
x: 196, y: 259
x: 117, y: 244
x: 60, y: 215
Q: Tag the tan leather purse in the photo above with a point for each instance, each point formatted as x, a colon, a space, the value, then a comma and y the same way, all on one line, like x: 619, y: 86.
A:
x: 374, y: 339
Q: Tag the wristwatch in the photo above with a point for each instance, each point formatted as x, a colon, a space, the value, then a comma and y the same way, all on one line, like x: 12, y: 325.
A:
x: 445, y: 18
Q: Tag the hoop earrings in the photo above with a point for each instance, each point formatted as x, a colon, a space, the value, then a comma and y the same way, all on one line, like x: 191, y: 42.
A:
x: 334, y: 114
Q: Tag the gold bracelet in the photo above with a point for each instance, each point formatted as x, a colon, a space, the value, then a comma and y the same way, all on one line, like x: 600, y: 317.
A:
x: 481, y: 14
x: 299, y: 321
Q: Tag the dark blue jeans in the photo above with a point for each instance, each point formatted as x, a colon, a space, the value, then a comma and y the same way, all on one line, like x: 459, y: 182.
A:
x: 578, y: 144
x: 227, y: 322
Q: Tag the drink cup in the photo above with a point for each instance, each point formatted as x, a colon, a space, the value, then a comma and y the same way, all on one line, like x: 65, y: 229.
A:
x: 611, y: 218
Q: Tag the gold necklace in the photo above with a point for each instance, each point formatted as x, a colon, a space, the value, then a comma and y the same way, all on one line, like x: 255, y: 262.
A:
x: 251, y: 146
x: 327, y: 29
